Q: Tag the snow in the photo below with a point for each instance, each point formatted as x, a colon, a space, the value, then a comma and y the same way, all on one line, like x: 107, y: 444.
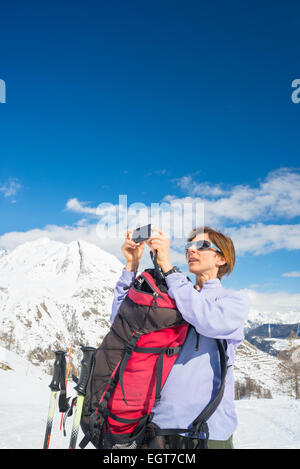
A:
x: 268, y: 424
x: 263, y: 423
x: 25, y: 392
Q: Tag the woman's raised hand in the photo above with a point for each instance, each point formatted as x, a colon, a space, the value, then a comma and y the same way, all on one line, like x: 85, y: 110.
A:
x: 132, y: 252
x: 161, y: 244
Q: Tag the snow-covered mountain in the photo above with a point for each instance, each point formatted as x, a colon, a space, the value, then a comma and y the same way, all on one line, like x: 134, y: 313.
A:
x: 53, y: 294
x: 260, y: 374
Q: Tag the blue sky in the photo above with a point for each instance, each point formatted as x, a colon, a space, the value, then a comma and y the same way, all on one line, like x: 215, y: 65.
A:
x: 154, y: 99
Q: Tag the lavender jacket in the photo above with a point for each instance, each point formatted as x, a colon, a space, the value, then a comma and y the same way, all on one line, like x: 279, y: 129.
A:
x: 216, y: 313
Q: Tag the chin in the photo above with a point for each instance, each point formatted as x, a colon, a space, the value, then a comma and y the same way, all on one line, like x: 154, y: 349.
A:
x: 193, y: 268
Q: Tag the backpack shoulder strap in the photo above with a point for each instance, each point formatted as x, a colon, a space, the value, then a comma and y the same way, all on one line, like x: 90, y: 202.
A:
x: 213, y: 404
x: 200, y: 425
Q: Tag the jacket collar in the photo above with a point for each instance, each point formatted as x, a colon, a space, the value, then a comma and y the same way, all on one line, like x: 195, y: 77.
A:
x: 213, y: 283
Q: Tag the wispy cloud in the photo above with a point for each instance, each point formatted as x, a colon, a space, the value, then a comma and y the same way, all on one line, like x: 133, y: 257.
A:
x: 242, y: 212
x: 10, y: 188
x: 276, y: 196
x: 156, y: 172
x: 87, y: 232
x: 234, y: 211
x: 254, y: 216
x: 291, y: 274
x: 278, y: 304
x: 204, y: 189
x: 259, y: 238
x: 74, y: 205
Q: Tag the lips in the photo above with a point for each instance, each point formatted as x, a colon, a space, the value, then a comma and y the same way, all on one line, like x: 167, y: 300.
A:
x: 193, y: 260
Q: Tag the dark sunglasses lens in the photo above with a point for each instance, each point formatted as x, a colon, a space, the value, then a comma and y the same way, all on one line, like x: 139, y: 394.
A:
x: 202, y: 244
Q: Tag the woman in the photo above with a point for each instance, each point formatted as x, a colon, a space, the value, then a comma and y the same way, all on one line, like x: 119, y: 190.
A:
x: 215, y: 313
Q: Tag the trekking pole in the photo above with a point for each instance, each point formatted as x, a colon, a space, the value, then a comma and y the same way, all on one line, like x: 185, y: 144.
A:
x: 62, y: 415
x: 54, y: 386
x: 86, y: 365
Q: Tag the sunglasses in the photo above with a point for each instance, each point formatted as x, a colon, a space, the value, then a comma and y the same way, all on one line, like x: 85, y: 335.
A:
x: 201, y: 245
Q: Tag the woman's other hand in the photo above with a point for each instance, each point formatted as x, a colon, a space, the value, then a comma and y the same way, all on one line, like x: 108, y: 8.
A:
x: 161, y: 244
x: 132, y: 252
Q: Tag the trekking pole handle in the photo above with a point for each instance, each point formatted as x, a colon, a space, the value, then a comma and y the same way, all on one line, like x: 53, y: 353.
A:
x: 86, y: 365
x: 59, y: 357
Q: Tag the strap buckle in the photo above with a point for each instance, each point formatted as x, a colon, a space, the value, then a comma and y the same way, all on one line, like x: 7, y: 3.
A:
x: 171, y: 351
x: 129, y: 347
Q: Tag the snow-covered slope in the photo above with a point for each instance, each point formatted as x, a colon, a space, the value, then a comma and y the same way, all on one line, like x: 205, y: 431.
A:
x: 263, y: 370
x: 268, y: 424
x: 263, y: 423
x: 52, y: 294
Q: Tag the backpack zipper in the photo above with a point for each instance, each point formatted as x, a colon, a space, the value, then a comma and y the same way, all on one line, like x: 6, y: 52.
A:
x: 154, y: 294
x: 148, y: 293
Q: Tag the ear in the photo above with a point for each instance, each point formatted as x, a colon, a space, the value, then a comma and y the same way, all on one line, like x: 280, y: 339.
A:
x: 221, y: 261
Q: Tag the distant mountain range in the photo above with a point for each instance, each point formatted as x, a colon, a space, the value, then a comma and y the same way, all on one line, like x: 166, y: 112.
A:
x: 273, y: 338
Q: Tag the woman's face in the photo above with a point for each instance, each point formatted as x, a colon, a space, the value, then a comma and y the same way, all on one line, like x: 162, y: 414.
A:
x: 203, y: 262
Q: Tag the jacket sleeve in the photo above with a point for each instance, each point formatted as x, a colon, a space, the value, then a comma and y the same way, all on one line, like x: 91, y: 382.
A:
x: 221, y: 316
x: 119, y: 292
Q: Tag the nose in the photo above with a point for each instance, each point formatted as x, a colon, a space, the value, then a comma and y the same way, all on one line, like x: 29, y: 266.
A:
x: 191, y: 250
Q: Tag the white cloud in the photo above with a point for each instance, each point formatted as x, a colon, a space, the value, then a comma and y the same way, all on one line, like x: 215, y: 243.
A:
x: 262, y: 239
x: 232, y: 212
x: 204, y: 189
x: 276, y: 306
x: 276, y: 196
x: 291, y: 274
x: 65, y: 234
x: 156, y: 172
x: 75, y: 205
x: 10, y: 188
x: 176, y: 220
x: 89, y: 233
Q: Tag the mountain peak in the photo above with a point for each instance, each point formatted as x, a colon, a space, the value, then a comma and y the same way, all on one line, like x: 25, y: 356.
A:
x: 53, y: 293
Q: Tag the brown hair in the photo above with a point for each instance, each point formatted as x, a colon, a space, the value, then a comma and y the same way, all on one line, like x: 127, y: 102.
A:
x: 223, y: 242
